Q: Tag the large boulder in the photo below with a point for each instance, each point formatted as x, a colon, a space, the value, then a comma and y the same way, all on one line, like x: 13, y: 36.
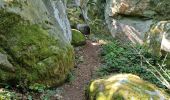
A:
x: 124, y: 87
x: 35, y: 38
x: 131, y: 19
x: 158, y: 38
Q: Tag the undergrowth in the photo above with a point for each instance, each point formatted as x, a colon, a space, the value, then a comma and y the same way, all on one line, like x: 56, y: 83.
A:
x: 122, y: 58
x: 34, y: 92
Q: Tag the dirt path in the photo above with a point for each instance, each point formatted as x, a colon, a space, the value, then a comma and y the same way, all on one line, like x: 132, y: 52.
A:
x: 83, y: 72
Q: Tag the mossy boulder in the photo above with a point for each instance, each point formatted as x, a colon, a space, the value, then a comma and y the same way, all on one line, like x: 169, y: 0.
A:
x: 124, y: 87
x: 78, y: 38
x: 33, y: 44
x: 158, y: 38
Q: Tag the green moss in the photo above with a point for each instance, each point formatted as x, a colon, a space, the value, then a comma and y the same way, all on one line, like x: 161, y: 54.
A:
x: 38, y: 57
x: 77, y: 38
x: 123, y: 87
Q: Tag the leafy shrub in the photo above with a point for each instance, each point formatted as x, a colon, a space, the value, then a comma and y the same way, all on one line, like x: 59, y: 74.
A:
x: 70, y: 77
x: 38, y: 87
x: 122, y: 58
x: 7, y: 95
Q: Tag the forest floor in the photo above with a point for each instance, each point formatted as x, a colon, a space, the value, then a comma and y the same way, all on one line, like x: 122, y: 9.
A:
x: 89, y: 54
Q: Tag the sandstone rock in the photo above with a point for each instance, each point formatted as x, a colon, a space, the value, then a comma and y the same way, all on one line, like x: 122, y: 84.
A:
x: 36, y: 36
x: 158, y: 37
x: 61, y: 17
x: 130, y: 19
x: 124, y: 87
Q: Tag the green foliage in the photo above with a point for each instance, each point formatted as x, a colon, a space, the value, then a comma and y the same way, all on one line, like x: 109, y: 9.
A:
x: 161, y: 6
x: 122, y: 58
x: 38, y: 87
x: 97, y: 8
x: 7, y: 21
x: 50, y: 94
x: 74, y: 16
x: 7, y: 95
x: 97, y: 26
x: 96, y: 15
x: 33, y: 92
x: 70, y: 77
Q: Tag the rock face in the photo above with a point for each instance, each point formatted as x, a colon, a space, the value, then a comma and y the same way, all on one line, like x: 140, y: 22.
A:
x: 84, y: 28
x: 131, y: 19
x: 159, y: 37
x: 35, y: 41
x: 61, y: 17
x: 124, y: 87
x: 78, y: 38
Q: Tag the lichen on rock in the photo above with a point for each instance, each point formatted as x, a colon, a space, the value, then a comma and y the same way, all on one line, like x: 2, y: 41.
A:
x: 124, y: 87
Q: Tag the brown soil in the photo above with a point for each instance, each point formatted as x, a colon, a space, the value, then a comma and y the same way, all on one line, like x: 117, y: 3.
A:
x: 83, y: 72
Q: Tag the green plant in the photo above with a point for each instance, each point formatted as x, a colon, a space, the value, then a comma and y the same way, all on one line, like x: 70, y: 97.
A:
x: 123, y: 58
x: 70, y: 77
x: 52, y: 93
x: 7, y: 95
x: 38, y: 87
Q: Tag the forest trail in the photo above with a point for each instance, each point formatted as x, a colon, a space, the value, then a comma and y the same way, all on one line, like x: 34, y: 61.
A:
x: 83, y: 72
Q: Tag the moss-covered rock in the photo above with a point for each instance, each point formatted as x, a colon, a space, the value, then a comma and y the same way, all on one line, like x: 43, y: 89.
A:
x: 158, y: 38
x: 124, y: 87
x: 78, y: 38
x: 34, y: 44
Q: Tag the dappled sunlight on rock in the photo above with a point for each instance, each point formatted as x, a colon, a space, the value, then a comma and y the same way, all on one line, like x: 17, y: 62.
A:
x: 102, y: 42
x: 99, y: 42
x: 94, y: 43
x: 132, y: 34
x: 165, y: 45
x: 126, y: 86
